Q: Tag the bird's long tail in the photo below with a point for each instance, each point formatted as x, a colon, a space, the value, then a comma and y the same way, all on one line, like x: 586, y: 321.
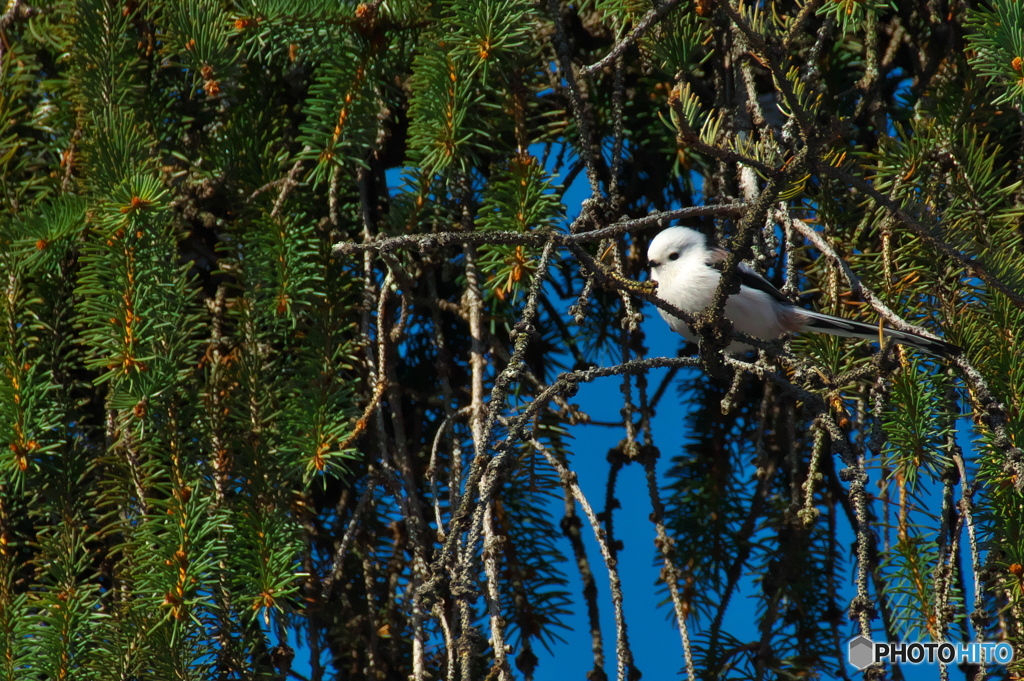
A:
x: 836, y: 326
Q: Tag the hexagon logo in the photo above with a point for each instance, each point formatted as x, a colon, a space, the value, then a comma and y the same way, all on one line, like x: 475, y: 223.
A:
x: 861, y: 652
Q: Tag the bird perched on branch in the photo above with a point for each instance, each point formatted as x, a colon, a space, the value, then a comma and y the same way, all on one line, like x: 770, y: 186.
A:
x: 688, y: 270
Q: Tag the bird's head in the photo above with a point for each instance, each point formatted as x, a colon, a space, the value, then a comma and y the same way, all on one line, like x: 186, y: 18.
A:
x: 672, y: 246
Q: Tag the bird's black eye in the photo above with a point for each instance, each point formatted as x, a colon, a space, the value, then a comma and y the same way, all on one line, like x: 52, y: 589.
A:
x: 673, y: 256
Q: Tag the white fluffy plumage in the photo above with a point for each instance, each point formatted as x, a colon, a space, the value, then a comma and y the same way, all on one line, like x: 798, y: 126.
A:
x: 685, y: 269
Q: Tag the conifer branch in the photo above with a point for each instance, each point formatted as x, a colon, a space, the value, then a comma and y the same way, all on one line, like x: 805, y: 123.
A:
x: 245, y: 433
x: 589, y: 146
x: 338, y: 563
x: 796, y: 29
x: 859, y: 289
x: 653, y: 16
x: 971, y: 265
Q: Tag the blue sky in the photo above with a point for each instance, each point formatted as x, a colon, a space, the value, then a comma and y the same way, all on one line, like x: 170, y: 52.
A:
x: 654, y: 638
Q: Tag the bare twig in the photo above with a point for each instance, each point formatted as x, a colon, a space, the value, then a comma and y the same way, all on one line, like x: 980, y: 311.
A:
x: 338, y: 562
x: 652, y: 17
x: 568, y: 480
x: 423, y: 242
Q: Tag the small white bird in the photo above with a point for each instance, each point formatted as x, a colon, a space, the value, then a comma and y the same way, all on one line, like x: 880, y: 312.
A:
x: 688, y: 271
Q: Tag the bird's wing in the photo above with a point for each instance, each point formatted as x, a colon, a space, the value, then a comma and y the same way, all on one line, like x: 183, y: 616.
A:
x: 748, y: 277
x: 796, y: 319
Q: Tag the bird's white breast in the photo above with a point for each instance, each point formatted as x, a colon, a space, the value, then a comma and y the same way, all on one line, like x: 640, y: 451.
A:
x: 690, y: 285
